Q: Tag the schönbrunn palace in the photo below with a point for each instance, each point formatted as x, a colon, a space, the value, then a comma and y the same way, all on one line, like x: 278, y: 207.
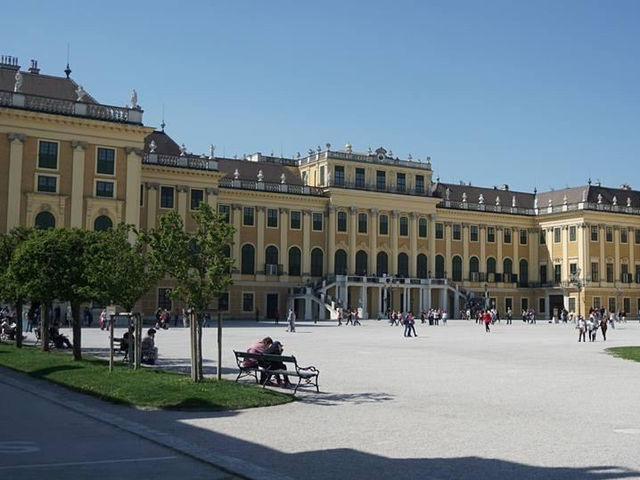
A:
x: 333, y: 227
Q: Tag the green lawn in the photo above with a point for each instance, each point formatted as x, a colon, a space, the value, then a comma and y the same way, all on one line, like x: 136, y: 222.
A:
x: 628, y: 353
x: 147, y: 387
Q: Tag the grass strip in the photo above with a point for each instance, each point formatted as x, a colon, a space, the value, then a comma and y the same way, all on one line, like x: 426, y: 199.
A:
x: 146, y: 387
x: 628, y: 353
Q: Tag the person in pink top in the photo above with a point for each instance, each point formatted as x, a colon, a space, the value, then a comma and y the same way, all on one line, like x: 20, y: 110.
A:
x: 260, y: 346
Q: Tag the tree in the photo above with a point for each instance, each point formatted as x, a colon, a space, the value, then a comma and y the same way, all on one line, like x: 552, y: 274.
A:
x: 50, y: 265
x: 10, y: 290
x: 120, y: 272
x: 198, y: 262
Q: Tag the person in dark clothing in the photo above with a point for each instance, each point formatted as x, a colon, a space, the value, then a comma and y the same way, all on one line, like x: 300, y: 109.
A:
x: 88, y: 317
x: 276, y: 348
x: 59, y: 340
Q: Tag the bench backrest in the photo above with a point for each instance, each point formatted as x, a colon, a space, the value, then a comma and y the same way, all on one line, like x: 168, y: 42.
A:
x: 263, y: 357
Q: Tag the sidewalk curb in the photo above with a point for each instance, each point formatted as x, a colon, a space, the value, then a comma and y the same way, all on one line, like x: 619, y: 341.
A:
x: 231, y: 465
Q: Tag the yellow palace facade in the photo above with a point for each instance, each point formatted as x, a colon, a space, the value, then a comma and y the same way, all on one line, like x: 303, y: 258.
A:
x: 331, y: 228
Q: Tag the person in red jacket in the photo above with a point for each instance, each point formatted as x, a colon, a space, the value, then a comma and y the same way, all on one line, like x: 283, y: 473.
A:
x: 486, y: 318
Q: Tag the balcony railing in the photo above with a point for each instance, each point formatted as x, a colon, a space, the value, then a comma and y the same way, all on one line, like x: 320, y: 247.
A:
x: 272, y: 269
x: 59, y: 106
x: 373, y: 187
x: 358, y: 157
x: 271, y: 187
x: 194, y: 163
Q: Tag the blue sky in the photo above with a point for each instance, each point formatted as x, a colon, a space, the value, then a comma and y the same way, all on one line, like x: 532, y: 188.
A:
x: 534, y: 94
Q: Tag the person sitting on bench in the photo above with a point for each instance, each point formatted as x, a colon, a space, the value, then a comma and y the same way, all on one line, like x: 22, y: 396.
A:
x: 58, y: 339
x: 277, y: 348
x: 260, y: 346
x: 149, y: 350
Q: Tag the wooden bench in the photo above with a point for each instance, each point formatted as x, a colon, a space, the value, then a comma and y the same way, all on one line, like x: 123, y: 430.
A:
x: 306, y: 375
x: 120, y: 347
x: 37, y: 333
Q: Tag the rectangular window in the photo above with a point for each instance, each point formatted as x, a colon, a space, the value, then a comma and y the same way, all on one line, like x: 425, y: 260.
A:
x: 543, y: 237
x: 543, y: 274
x: 404, y: 227
x: 338, y: 177
x: 317, y: 222
x: 225, y: 211
x: 491, y: 234
x: 164, y: 298
x: 47, y: 184
x: 106, y: 164
x: 609, y: 234
x: 381, y: 180
x: 197, y: 197
x: 595, y: 272
x: 166, y: 197
x: 401, y: 181
x: 596, y: 302
x: 542, y: 305
x: 384, y: 225
x: 507, y: 235
x: 594, y: 234
x: 223, y: 302
x: 473, y: 233
x: 524, y: 304
x: 422, y: 228
x: 637, y: 235
x: 609, y: 272
x: 247, y: 302
x: 419, y: 183
x: 439, y: 230
x: 48, y: 155
x: 457, y: 231
x: 572, y: 233
x: 572, y: 304
x: 612, y: 304
x: 637, y: 275
x: 272, y: 217
x: 556, y: 235
x: 360, y: 178
x: 342, y: 221
x: 104, y: 189
x: 557, y: 273
x: 294, y: 220
x: 362, y: 223
x: 573, y: 268
x: 626, y: 305
x: 322, y: 175
x: 624, y: 235
x: 248, y: 214
x: 523, y: 237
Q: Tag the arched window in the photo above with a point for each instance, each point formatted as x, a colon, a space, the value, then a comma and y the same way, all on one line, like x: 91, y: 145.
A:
x: 403, y: 265
x: 45, y: 220
x: 421, y: 264
x: 294, y: 261
x: 456, y: 269
x: 248, y: 259
x: 507, y: 266
x: 439, y: 266
x: 524, y: 271
x: 382, y: 264
x: 102, y: 223
x: 474, y: 265
x: 361, y: 262
x: 341, y: 262
x: 271, y: 255
x: 491, y: 265
x: 316, y: 262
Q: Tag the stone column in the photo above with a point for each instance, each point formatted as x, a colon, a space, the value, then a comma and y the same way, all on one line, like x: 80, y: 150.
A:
x: 565, y: 252
x: 482, y: 236
x: 499, y: 239
x: 236, y: 218
x: 212, y: 198
x: 379, y: 306
x: 353, y: 228
x: 616, y: 257
x: 465, y: 251
x: 260, y: 253
x: 331, y: 241
x: 152, y: 204
x: 306, y: 243
x: 515, y: 239
x: 431, y: 267
x: 394, y: 242
x: 413, y: 239
x: 447, y: 256
x: 586, y: 240
x: 534, y: 255
x: 134, y: 178
x: 284, y: 245
x: 632, y: 258
x: 14, y: 194
x: 443, y: 299
x: 183, y: 202
x: 365, y: 301
x: 426, y: 298
x: 77, y: 184
x: 373, y: 241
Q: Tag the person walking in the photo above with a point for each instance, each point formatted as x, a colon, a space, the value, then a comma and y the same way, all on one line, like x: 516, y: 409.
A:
x: 340, y: 313
x: 291, y: 319
x: 486, y: 318
x: 582, y: 327
x: 412, y: 324
x: 356, y: 317
x: 407, y: 328
x: 604, y: 324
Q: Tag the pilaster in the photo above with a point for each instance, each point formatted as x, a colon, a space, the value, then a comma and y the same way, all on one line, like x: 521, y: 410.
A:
x: 14, y: 194
x: 77, y: 183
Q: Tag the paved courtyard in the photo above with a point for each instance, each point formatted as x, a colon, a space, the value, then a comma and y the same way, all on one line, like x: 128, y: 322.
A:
x: 524, y: 401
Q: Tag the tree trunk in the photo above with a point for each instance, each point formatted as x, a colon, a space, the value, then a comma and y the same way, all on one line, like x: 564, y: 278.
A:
x: 194, y: 346
x: 18, y: 308
x: 77, y: 331
x: 199, y: 345
x: 44, y: 326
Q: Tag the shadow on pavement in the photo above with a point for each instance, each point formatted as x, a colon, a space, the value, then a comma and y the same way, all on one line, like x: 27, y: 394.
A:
x: 333, y: 399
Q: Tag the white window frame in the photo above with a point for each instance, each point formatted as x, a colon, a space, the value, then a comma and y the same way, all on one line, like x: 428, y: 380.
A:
x: 202, y: 201
x: 115, y: 161
x: 38, y: 167
x: 103, y: 180
x: 160, y: 197
x: 44, y: 174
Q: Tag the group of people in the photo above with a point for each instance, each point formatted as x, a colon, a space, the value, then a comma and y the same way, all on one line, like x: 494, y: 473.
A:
x: 591, y: 326
x: 268, y: 346
x: 352, y: 316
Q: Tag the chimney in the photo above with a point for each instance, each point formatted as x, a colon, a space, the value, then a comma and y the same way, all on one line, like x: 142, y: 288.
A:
x: 34, y: 67
x: 9, y: 62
